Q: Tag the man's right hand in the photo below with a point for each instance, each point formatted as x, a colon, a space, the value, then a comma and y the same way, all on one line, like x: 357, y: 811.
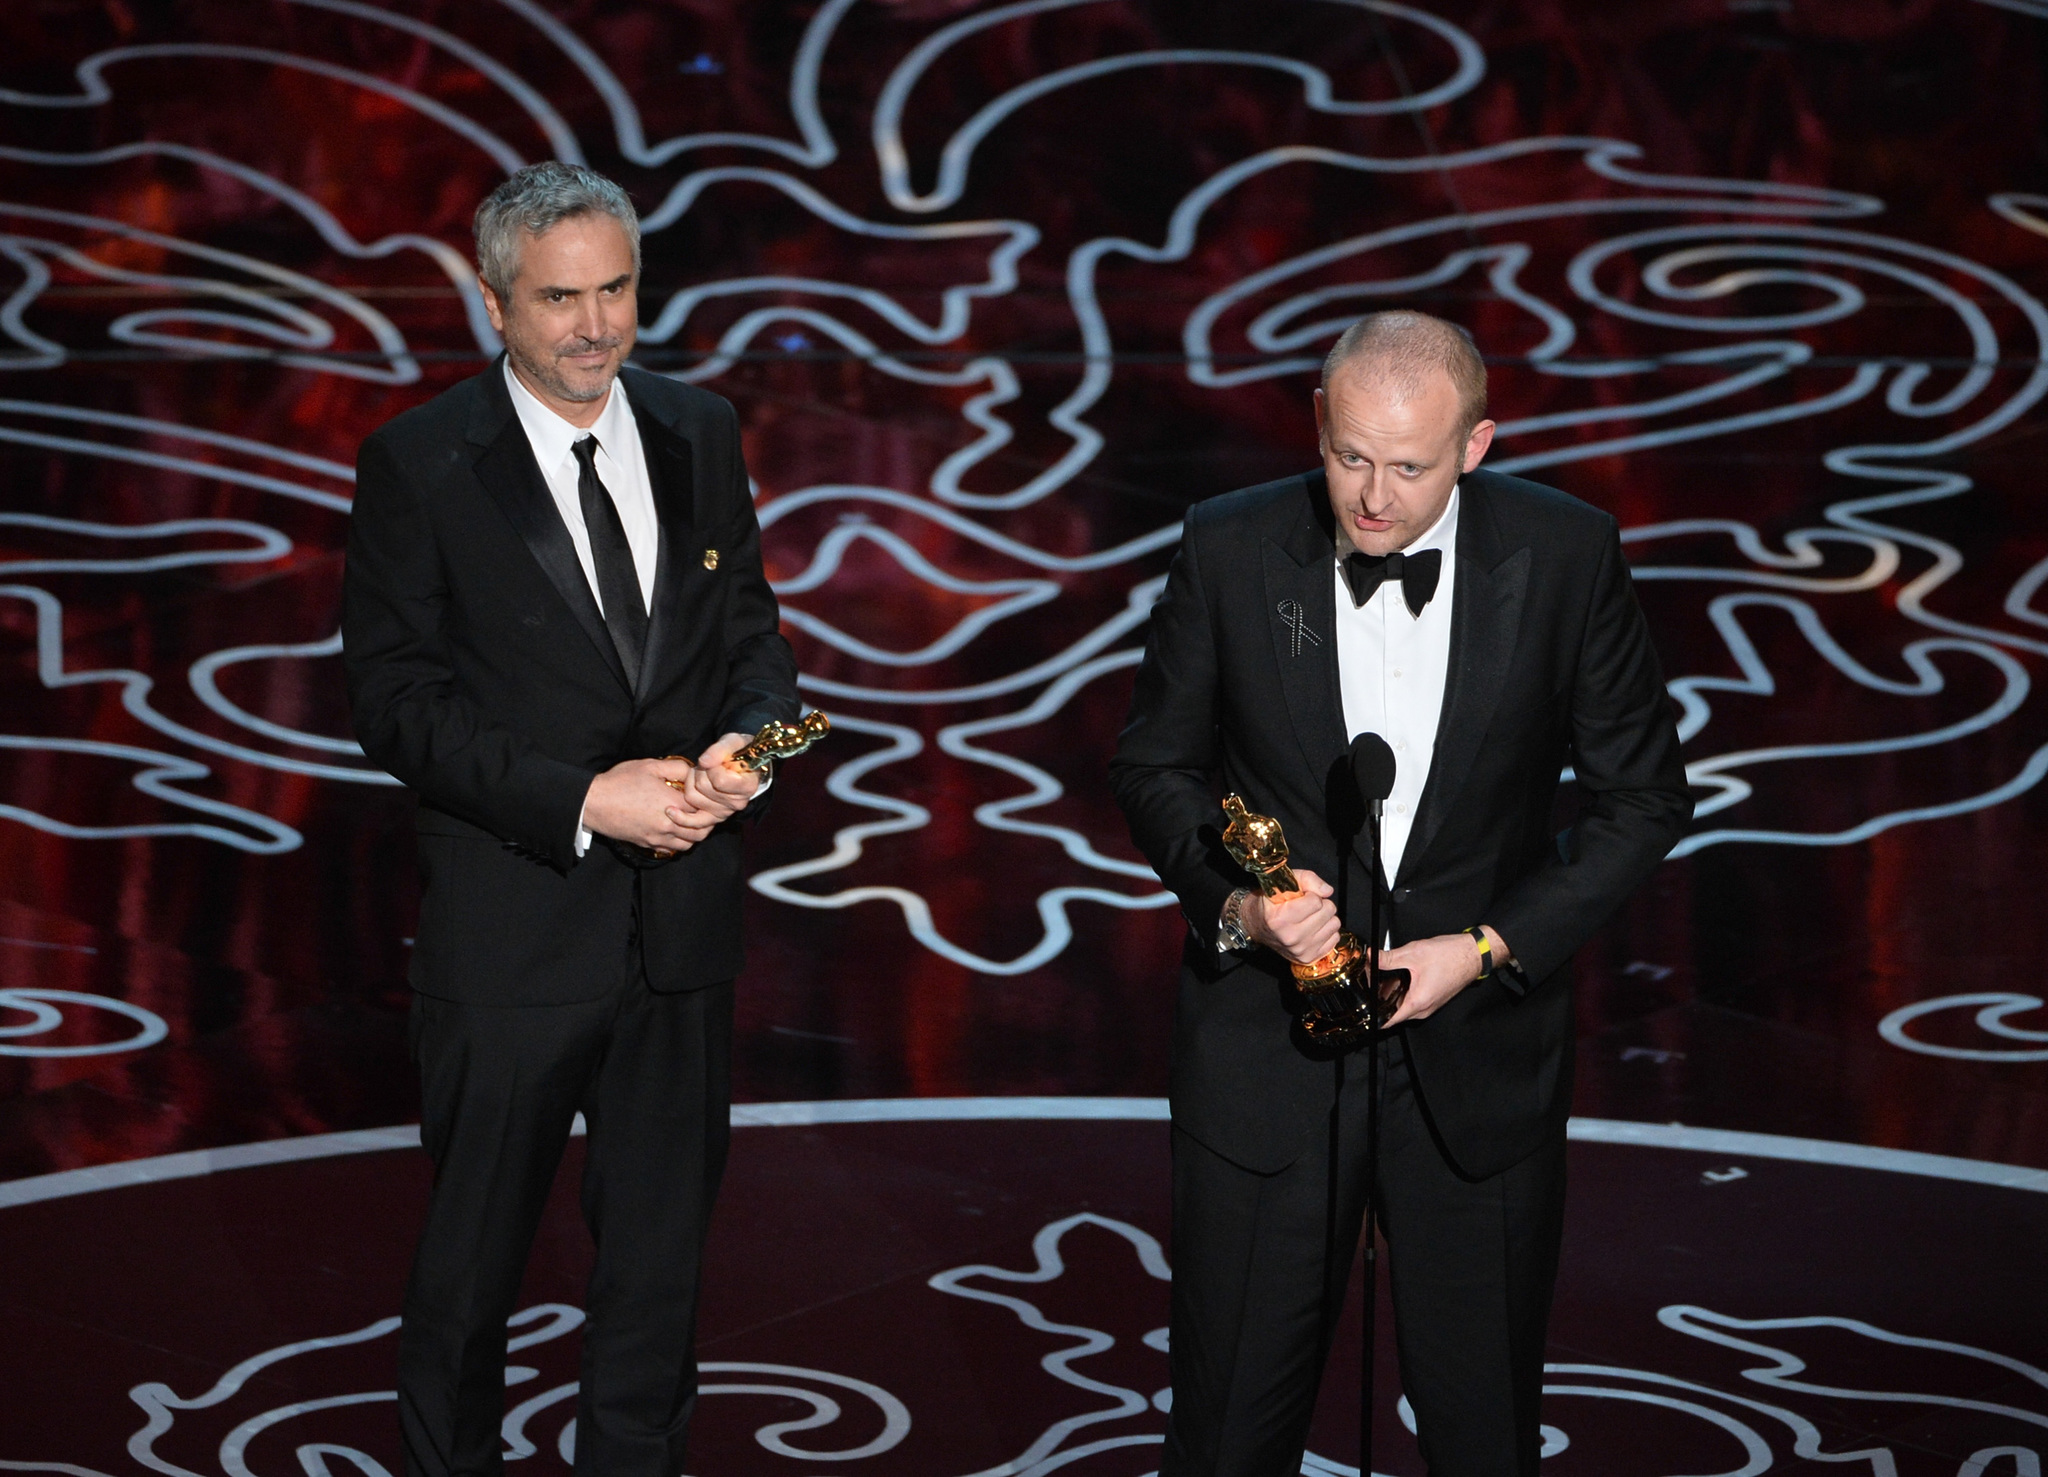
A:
x: 632, y: 801
x: 1300, y: 929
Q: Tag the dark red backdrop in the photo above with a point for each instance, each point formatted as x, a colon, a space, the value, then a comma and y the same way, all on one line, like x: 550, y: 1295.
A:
x: 1743, y: 988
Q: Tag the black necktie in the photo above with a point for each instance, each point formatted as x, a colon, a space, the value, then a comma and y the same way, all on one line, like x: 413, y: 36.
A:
x: 1365, y: 573
x: 618, y: 582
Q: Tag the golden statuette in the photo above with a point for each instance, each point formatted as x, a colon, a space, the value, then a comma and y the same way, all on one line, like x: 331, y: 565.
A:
x: 779, y: 740
x: 1343, y: 1008
x: 1256, y: 843
x: 776, y: 740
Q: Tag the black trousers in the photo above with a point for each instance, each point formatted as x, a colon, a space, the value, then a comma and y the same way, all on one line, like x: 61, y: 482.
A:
x: 651, y: 1074
x: 1259, y: 1268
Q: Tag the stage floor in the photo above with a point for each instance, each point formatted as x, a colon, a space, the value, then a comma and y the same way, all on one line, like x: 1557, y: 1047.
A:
x: 963, y: 1285
x: 998, y: 291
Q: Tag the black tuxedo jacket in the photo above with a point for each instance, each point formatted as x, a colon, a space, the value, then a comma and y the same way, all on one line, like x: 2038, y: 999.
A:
x: 1550, y: 664
x: 480, y: 674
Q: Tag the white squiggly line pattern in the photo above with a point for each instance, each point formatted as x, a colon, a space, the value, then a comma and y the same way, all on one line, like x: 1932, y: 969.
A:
x: 1737, y: 237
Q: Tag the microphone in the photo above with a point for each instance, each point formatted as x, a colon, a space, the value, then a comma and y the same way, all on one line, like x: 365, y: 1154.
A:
x: 1372, y: 768
x: 1372, y: 771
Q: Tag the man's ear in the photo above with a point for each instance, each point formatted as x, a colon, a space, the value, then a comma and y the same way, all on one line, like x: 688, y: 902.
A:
x: 1477, y: 440
x: 1322, y: 444
x: 493, y: 307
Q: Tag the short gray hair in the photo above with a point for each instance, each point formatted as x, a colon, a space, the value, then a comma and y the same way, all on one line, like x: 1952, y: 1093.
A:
x: 536, y: 200
x: 1402, y: 347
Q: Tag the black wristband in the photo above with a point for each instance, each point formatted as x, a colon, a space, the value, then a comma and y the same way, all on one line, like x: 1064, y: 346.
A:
x: 1478, y: 936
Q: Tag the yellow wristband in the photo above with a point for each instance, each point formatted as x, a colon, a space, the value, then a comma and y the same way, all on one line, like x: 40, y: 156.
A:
x: 1478, y: 936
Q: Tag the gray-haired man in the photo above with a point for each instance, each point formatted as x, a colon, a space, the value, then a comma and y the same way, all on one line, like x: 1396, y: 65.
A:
x: 554, y: 577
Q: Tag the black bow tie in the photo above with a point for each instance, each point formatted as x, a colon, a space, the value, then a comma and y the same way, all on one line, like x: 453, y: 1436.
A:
x: 1365, y: 573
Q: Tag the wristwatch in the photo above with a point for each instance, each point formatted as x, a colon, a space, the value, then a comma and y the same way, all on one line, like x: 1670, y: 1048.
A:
x: 1230, y: 935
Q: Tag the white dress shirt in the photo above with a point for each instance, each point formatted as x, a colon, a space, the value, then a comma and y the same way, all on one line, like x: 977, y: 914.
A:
x: 1392, y: 667
x: 621, y: 465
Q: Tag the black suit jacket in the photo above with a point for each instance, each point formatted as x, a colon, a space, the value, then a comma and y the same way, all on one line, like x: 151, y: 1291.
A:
x: 480, y: 674
x: 1550, y: 664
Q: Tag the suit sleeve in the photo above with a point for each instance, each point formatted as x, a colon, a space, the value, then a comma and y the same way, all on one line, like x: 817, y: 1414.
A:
x: 1163, y: 773
x: 410, y: 713
x: 1624, y: 748
x: 761, y: 668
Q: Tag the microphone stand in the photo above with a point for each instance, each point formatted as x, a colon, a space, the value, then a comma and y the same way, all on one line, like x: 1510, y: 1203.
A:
x: 1372, y: 1140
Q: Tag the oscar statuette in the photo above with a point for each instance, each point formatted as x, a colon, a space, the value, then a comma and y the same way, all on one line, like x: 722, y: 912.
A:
x: 776, y: 740
x: 1344, y: 1010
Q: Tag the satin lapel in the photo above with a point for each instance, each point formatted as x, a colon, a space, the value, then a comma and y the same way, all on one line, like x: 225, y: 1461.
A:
x: 510, y: 475
x: 1301, y: 613
x: 1486, y: 620
x: 668, y: 457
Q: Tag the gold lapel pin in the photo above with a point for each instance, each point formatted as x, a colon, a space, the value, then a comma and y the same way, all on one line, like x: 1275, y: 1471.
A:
x: 711, y: 558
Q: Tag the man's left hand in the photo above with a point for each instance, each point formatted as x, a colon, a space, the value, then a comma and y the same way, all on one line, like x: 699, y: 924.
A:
x: 715, y: 786
x: 1438, y: 968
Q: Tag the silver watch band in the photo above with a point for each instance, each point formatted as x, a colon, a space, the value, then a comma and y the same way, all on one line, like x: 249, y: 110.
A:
x: 1230, y: 935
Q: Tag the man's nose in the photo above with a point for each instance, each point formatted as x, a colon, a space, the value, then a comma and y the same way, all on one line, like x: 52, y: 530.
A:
x: 590, y: 317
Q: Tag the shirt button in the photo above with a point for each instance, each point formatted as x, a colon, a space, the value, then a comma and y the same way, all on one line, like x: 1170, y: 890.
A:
x: 1401, y: 808
x: 1397, y: 671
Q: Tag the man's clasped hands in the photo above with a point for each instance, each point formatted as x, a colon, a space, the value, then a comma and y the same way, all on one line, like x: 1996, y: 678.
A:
x: 670, y: 804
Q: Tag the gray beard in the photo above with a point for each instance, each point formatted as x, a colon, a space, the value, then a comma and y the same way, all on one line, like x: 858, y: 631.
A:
x: 546, y: 377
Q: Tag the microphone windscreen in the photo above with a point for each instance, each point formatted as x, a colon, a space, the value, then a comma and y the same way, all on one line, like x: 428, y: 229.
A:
x: 1372, y: 767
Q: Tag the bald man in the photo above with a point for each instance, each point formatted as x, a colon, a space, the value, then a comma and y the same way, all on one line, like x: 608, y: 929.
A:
x: 1486, y: 627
